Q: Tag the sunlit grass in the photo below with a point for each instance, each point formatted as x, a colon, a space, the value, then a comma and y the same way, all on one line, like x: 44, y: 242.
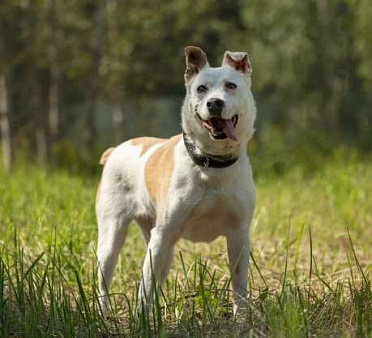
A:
x: 311, y: 242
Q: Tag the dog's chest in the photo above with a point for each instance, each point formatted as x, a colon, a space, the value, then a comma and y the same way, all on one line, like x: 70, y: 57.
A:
x: 215, y: 214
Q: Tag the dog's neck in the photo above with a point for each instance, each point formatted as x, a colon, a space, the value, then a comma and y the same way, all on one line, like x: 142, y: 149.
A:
x: 206, y: 160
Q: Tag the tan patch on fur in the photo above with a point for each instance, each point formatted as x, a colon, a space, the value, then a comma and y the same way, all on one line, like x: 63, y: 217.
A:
x: 146, y: 142
x: 159, y: 170
x: 105, y: 156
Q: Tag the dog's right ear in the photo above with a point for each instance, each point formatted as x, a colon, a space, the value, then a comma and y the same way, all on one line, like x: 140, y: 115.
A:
x: 196, y: 59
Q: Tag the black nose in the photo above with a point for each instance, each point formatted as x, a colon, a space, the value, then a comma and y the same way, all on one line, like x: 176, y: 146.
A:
x: 215, y: 106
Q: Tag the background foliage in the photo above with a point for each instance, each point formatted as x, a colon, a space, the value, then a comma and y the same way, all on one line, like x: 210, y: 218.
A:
x: 81, y: 75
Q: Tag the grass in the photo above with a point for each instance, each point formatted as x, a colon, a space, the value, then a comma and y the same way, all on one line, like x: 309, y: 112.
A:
x: 311, y: 244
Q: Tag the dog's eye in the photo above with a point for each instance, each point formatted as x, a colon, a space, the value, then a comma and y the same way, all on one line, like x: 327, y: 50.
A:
x: 230, y: 85
x: 201, y: 89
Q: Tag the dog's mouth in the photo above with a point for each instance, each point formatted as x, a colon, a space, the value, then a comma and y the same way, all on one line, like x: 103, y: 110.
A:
x: 220, y: 129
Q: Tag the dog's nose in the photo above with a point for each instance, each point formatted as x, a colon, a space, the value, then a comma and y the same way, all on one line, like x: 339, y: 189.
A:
x: 215, y: 106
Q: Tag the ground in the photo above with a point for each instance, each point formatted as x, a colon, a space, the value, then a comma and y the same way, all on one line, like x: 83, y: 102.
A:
x: 311, y: 241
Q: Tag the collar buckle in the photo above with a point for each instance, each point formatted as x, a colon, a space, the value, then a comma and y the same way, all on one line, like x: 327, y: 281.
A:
x: 207, y: 162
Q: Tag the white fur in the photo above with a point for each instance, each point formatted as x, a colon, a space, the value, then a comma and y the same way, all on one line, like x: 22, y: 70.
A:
x: 201, y: 201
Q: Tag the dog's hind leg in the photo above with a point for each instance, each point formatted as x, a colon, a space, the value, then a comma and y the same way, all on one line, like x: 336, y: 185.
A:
x: 112, y: 231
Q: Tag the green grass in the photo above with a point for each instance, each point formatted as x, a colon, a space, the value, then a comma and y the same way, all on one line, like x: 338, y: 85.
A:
x: 311, y: 244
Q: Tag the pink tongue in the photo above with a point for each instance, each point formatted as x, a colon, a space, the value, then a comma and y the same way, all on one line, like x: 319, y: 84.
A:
x: 229, y: 130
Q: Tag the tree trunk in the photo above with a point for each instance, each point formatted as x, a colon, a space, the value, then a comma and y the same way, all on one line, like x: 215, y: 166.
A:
x: 328, y: 107
x: 38, y: 97
x: 40, y: 111
x: 114, y: 81
x: 90, y: 132
x: 53, y: 113
x: 53, y: 103
x: 99, y: 16
x: 117, y: 121
x: 5, y: 125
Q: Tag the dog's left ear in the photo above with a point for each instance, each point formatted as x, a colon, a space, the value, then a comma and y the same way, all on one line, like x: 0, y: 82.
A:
x: 196, y: 59
x: 239, y: 61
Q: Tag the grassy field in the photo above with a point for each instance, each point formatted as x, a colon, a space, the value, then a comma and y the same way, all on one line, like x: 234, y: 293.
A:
x: 311, y: 242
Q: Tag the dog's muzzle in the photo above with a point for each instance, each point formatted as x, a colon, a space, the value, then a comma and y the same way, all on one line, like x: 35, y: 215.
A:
x: 219, y: 128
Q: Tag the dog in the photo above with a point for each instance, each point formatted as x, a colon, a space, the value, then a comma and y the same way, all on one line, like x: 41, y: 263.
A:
x: 197, y: 185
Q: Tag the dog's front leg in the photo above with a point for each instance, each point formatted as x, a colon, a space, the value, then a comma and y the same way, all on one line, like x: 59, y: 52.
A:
x: 238, y: 251
x: 158, y: 258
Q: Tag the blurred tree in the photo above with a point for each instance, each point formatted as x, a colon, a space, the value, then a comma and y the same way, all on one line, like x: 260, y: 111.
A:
x: 33, y: 39
x: 5, y: 124
x: 361, y: 101
x: 114, y: 64
x: 95, y: 83
x: 54, y: 69
x: 7, y: 60
x: 363, y: 38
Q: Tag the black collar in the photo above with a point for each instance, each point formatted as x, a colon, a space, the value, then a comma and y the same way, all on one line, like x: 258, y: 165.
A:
x: 204, y: 160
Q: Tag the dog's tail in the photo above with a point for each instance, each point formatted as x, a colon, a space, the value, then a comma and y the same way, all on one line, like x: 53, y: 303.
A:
x: 105, y: 156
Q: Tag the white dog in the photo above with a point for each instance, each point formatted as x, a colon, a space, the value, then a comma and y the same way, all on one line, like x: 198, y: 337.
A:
x: 197, y: 185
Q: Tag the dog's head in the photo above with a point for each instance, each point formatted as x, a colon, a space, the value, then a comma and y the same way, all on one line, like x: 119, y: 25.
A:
x: 219, y: 110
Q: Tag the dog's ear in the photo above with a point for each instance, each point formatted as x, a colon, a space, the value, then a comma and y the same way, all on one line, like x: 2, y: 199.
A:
x: 238, y: 60
x: 196, y: 59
